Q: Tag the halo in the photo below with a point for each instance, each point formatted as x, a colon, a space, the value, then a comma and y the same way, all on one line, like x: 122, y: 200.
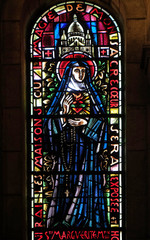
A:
x: 61, y: 65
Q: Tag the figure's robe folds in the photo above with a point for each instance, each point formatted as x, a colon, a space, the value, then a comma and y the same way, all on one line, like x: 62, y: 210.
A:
x: 77, y: 199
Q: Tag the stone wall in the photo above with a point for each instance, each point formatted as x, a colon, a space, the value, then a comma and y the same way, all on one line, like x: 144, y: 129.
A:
x: 134, y: 16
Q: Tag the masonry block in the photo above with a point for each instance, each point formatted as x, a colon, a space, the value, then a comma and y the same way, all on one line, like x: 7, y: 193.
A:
x: 135, y: 8
x: 12, y: 130
x: 12, y: 165
x: 12, y: 10
x: 137, y: 162
x: 136, y: 85
x: 136, y: 212
x: 12, y: 218
x: 11, y: 84
x: 135, y: 35
x: 136, y: 128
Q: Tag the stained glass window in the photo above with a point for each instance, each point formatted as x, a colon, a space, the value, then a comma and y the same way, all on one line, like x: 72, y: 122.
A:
x: 76, y: 117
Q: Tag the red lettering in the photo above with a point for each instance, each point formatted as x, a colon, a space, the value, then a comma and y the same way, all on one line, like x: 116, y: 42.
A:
x: 114, y: 204
x: 107, y: 21
x: 42, y: 24
x: 39, y: 214
x: 35, y: 44
x: 38, y: 145
x: 114, y: 200
x: 56, y: 233
x: 46, y: 234
x: 39, y: 32
x: 114, y: 88
x: 101, y: 233
x: 77, y: 235
x: 115, y: 235
x: 113, y: 103
x: 114, y: 94
x: 113, y: 178
x: 39, y: 110
x: 38, y: 122
x: 37, y: 163
x: 39, y: 151
x: 37, y: 65
x: 114, y: 184
x: 115, y: 192
x: 38, y: 236
x: 37, y: 131
x: 93, y: 235
x: 38, y: 224
x: 50, y: 15
x: 114, y: 72
x: 114, y: 210
x: 68, y: 235
x: 116, y: 62
x: 99, y: 14
x: 38, y: 139
x: 113, y: 81
x: 112, y: 29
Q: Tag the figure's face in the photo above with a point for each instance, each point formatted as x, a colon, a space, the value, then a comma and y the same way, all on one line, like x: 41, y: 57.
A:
x: 79, y: 73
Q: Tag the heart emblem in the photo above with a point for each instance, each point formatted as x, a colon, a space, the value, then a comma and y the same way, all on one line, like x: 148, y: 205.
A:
x: 77, y: 110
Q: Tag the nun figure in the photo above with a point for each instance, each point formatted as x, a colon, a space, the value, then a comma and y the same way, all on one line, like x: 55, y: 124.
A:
x: 76, y: 134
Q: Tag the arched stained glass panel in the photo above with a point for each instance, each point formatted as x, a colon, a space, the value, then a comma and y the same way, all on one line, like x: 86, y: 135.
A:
x: 76, y: 124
